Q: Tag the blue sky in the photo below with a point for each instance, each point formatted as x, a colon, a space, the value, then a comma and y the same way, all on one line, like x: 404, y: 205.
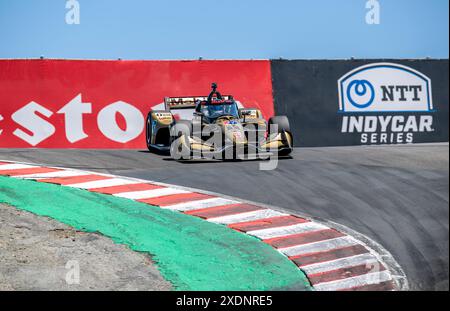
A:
x: 231, y: 29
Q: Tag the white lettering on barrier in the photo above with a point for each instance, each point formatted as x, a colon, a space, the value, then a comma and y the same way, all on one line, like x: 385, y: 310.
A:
x: 397, y: 123
x: 39, y: 129
x: 27, y: 118
x: 73, y: 118
x: 371, y: 124
x: 109, y: 127
x: 384, y: 122
x: 375, y: 129
x: 387, y: 138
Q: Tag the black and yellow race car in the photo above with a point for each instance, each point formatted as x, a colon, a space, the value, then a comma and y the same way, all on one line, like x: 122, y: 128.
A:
x: 214, y: 127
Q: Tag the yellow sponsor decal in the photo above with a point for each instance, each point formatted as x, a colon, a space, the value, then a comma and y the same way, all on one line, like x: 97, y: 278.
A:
x: 163, y: 117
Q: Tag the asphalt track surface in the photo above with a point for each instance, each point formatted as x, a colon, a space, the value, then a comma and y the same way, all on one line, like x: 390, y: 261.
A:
x: 396, y: 195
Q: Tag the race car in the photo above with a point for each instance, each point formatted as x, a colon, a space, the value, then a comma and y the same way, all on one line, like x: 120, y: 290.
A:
x: 214, y: 127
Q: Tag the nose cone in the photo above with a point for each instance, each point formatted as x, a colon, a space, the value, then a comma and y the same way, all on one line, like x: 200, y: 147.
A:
x: 235, y: 133
x: 239, y: 138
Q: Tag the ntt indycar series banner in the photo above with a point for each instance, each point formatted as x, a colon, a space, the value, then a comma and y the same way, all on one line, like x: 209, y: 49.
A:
x: 363, y: 102
x: 386, y: 103
x: 103, y: 104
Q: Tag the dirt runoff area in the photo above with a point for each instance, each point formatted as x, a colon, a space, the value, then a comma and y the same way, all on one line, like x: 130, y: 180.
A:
x: 38, y: 253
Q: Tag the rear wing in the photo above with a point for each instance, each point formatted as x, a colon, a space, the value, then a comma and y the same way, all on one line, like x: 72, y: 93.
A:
x: 171, y: 103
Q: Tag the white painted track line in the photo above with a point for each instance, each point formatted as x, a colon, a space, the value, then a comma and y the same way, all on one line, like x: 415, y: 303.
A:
x: 199, y: 204
x: 244, y: 217
x: 111, y: 182
x: 320, y: 246
x: 364, y: 259
x: 287, y: 230
x: 7, y: 167
x: 149, y: 194
x: 52, y: 175
x: 357, y: 281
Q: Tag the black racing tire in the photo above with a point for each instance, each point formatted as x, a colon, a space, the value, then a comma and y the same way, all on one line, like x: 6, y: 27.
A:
x: 282, y: 122
x: 148, y: 131
x: 284, y: 129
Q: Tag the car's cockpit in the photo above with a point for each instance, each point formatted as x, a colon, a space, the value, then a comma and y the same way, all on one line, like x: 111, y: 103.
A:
x: 216, y: 106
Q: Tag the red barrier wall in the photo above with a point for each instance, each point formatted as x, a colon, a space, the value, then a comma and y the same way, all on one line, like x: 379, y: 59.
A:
x: 103, y: 104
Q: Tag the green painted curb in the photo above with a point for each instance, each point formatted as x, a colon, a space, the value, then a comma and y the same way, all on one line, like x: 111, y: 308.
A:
x: 190, y: 253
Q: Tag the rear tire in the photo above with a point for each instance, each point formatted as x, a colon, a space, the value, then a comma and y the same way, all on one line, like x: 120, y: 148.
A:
x: 148, y: 131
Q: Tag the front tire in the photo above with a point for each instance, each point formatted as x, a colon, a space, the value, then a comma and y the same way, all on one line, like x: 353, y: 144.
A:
x: 282, y: 122
x: 283, y: 128
x: 180, y: 148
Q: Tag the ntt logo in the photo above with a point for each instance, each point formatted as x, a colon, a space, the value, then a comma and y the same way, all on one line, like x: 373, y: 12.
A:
x: 357, y: 90
x: 384, y: 87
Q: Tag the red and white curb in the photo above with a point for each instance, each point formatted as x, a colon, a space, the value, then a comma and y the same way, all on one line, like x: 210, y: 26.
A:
x: 332, y: 256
